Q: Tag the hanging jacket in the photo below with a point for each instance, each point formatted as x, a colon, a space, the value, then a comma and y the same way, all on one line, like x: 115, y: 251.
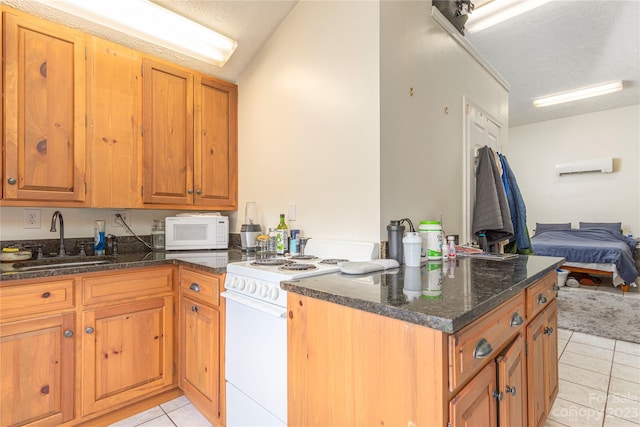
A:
x: 516, y: 206
x: 491, y: 214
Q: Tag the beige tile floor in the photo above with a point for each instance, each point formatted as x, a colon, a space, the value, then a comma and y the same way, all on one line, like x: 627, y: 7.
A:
x: 599, y: 386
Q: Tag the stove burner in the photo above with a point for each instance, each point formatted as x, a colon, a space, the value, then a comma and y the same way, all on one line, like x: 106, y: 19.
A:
x: 271, y: 262
x: 297, y: 267
x: 303, y: 257
x: 332, y: 261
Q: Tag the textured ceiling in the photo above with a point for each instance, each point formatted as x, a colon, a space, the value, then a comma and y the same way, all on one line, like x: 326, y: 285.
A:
x: 560, y: 46
x: 564, y: 45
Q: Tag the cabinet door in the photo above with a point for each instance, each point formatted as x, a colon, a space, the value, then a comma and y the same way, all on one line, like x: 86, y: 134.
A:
x: 536, y: 371
x: 113, y: 111
x: 167, y: 116
x: 127, y: 352
x: 44, y: 83
x: 199, y: 368
x: 36, y: 371
x: 216, y: 143
x: 551, y: 353
x: 475, y: 405
x: 512, y: 382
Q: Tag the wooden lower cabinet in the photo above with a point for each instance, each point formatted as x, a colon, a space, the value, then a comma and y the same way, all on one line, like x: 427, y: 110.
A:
x: 36, y: 371
x: 127, y: 352
x: 351, y: 367
x: 201, y: 343
x: 199, y: 376
x: 542, y: 363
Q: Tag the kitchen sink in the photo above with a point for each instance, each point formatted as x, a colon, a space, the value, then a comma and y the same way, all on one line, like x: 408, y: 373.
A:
x: 62, y: 262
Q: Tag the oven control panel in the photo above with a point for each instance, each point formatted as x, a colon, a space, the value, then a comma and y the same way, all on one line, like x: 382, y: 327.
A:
x: 256, y: 288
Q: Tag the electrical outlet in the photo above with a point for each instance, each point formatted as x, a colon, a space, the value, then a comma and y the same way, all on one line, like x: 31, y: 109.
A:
x: 31, y: 218
x: 124, y: 213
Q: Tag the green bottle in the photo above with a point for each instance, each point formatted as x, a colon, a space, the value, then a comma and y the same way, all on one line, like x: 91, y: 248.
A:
x: 283, y: 234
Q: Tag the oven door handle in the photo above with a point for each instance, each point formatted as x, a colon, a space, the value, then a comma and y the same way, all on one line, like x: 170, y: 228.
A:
x: 257, y: 305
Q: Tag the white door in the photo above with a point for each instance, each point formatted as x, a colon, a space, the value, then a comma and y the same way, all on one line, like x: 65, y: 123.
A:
x: 480, y: 130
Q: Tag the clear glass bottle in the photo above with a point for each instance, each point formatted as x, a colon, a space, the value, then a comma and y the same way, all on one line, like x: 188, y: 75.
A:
x: 283, y: 234
x: 273, y: 241
x: 157, y: 235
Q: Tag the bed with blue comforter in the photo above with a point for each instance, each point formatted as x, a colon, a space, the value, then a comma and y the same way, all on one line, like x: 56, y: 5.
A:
x: 591, y: 245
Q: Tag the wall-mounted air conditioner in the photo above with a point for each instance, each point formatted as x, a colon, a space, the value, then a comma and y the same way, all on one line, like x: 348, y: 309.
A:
x: 586, y: 166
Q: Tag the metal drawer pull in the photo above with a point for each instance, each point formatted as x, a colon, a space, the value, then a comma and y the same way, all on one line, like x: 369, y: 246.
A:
x: 548, y: 331
x: 516, y: 319
x: 556, y: 287
x: 542, y: 299
x: 482, y: 350
x: 195, y: 287
x: 46, y: 295
x: 498, y: 395
x: 194, y: 308
x: 511, y: 390
x: 89, y: 330
x: 68, y: 333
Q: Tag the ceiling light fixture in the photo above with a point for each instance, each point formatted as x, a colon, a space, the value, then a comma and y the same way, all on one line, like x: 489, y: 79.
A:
x: 582, y: 93
x: 152, y: 23
x: 496, y: 11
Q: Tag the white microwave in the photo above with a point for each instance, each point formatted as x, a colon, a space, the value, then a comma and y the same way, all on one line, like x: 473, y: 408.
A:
x: 196, y: 231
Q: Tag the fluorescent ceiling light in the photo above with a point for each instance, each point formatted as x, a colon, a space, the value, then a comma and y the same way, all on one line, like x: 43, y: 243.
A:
x: 587, y: 92
x: 152, y: 23
x: 495, y: 11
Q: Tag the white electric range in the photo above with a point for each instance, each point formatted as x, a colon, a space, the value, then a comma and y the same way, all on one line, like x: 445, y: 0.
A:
x: 256, y: 327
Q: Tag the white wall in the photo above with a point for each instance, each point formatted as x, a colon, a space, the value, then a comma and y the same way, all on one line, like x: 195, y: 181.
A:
x: 422, y: 135
x: 535, y: 149
x: 78, y: 222
x: 309, y: 123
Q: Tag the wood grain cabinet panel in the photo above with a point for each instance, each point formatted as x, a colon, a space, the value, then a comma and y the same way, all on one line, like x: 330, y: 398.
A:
x: 512, y: 383
x: 113, y: 124
x: 201, y: 343
x: 44, y: 111
x: 37, y: 371
x: 475, y: 405
x: 168, y: 134
x: 127, y: 352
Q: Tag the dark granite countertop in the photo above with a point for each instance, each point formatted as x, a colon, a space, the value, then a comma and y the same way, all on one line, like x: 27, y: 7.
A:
x: 213, y: 261
x: 441, y: 295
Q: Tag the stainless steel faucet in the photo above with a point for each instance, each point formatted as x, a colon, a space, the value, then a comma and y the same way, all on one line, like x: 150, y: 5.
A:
x: 58, y: 215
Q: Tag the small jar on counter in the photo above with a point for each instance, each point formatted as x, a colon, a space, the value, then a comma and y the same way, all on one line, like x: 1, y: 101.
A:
x: 157, y: 235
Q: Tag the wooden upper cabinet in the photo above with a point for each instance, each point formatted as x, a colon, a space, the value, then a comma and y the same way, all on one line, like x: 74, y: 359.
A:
x: 113, y: 124
x: 216, y: 143
x: 44, y: 111
x: 190, y: 139
x: 167, y: 119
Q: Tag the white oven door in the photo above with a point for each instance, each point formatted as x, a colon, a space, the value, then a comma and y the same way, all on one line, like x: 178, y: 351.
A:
x: 256, y: 363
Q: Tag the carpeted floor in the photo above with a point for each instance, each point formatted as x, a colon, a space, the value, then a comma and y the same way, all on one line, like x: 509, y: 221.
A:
x: 606, y: 314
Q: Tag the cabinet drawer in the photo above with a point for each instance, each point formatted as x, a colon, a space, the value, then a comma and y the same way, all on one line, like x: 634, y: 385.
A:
x: 473, y: 346
x: 36, y: 298
x: 540, y: 294
x: 119, y: 286
x: 205, y: 287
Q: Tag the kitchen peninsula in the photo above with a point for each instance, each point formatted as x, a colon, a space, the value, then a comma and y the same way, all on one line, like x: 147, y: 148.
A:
x: 475, y: 345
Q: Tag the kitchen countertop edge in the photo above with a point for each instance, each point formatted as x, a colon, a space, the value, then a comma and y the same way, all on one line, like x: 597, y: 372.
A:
x: 448, y: 325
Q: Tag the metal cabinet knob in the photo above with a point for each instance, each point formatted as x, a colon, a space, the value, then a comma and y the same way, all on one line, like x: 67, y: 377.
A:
x: 89, y: 330
x: 516, y: 319
x: 510, y: 390
x: 194, y: 308
x: 11, y: 181
x: 548, y: 331
x: 497, y: 395
x: 482, y: 350
x: 556, y: 287
x: 195, y: 287
x: 68, y: 333
x: 190, y: 191
x: 198, y: 192
x: 542, y: 299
